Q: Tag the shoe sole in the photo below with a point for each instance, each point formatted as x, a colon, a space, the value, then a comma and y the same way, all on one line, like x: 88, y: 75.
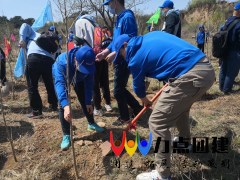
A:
x: 65, y: 149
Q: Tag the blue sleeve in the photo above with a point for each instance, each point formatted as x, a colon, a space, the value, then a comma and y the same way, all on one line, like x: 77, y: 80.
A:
x: 59, y: 76
x: 138, y: 81
x: 25, y: 32
x: 88, y: 88
x: 129, y: 26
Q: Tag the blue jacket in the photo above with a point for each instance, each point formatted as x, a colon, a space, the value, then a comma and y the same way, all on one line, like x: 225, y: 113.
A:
x: 161, y: 56
x: 125, y: 24
x: 59, y: 74
x: 28, y: 35
x: 200, y: 37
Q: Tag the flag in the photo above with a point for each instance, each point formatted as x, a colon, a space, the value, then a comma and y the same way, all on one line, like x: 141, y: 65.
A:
x: 19, y: 69
x: 12, y: 37
x: 7, y: 47
x: 154, y: 18
x: 46, y: 15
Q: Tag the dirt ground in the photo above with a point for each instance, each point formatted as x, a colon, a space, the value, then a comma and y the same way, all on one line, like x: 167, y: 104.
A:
x: 36, y: 142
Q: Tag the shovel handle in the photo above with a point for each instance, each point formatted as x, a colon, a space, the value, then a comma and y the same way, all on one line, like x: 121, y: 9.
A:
x: 144, y: 109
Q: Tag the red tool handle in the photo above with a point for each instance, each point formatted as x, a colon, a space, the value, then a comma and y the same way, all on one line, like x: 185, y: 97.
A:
x: 133, y: 122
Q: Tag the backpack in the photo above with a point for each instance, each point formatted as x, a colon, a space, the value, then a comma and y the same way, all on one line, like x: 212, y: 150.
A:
x: 48, y: 41
x: 102, y: 38
x: 220, y: 40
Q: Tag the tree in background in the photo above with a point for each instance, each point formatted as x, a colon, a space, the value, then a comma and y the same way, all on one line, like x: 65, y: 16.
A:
x: 74, y: 8
x: 17, y: 21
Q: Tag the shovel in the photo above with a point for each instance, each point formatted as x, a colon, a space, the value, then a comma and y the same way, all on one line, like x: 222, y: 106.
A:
x: 106, y: 146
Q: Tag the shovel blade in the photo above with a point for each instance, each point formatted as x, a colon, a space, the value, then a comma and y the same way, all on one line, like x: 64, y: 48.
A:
x: 106, y: 148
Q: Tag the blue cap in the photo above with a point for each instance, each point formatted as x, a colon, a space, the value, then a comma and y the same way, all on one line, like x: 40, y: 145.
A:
x: 52, y: 28
x: 167, y: 4
x: 106, y: 2
x: 237, y: 6
x: 71, y: 37
x: 118, y: 43
x: 86, y: 60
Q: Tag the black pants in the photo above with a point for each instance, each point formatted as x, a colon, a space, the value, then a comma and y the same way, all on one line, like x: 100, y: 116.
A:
x: 40, y: 65
x: 3, y: 71
x: 101, y: 81
x: 79, y: 90
x: 122, y: 95
x: 201, y: 47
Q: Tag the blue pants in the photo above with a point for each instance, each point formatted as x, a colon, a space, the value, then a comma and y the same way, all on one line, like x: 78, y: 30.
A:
x: 122, y: 95
x: 229, y: 71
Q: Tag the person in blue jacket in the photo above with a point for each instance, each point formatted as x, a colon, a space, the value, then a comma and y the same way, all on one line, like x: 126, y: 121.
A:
x: 39, y: 63
x: 81, y: 76
x: 200, y: 39
x: 125, y: 24
x: 189, y: 75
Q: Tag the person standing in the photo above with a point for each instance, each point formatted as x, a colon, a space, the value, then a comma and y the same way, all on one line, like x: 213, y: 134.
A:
x: 85, y: 27
x: 102, y: 79
x: 231, y: 62
x: 172, y: 21
x: 81, y: 76
x: 200, y: 39
x: 189, y: 75
x: 39, y: 63
x: 125, y: 24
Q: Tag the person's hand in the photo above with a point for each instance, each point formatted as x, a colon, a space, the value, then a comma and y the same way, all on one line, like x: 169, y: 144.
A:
x: 22, y: 44
x: 146, y: 102
x: 100, y: 56
x: 67, y: 114
x: 111, y: 57
x: 90, y: 109
x: 152, y: 28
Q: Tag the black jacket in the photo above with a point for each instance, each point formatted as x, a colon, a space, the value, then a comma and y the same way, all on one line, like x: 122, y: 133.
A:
x: 171, y: 23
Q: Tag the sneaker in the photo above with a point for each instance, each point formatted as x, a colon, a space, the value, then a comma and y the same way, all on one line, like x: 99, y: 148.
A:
x: 108, y: 107
x: 153, y: 175
x: 98, y: 112
x: 120, y: 122
x: 95, y: 127
x: 66, y: 142
x: 35, y: 115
